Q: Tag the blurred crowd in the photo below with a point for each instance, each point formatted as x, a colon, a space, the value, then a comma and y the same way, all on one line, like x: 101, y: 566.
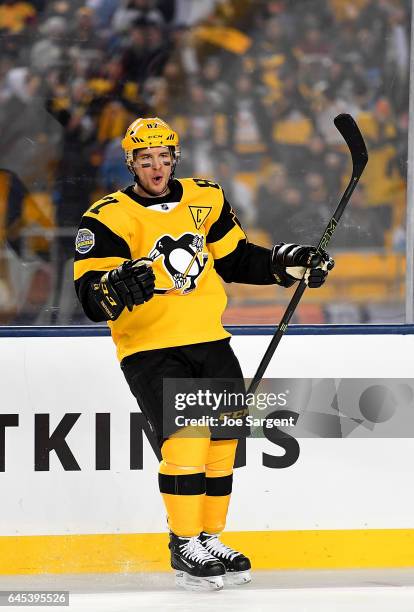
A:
x: 252, y: 87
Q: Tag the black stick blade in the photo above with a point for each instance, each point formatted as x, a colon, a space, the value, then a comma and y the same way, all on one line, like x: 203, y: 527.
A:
x: 349, y: 130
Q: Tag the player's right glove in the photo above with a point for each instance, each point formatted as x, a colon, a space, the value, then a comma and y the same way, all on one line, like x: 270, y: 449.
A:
x: 131, y: 284
x: 302, y: 261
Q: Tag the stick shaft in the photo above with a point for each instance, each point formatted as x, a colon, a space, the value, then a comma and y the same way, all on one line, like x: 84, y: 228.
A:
x: 358, y: 167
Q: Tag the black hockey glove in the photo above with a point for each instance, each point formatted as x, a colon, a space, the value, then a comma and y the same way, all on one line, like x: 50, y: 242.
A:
x: 131, y: 284
x: 302, y: 261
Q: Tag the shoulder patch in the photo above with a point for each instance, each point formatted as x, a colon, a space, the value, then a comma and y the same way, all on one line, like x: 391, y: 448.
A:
x: 85, y: 241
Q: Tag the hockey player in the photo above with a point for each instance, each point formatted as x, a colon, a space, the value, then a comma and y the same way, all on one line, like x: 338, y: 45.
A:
x: 148, y: 261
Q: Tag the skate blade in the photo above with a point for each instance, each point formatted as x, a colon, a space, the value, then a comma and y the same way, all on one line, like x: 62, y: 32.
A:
x: 237, y: 578
x: 193, y: 583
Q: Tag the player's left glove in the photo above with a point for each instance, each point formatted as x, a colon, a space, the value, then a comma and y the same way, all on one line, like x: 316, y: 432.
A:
x: 302, y: 261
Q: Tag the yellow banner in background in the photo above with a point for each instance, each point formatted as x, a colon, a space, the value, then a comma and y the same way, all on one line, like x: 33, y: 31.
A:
x: 228, y: 38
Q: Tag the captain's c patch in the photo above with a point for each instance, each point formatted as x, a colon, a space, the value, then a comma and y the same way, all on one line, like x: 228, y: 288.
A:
x: 199, y: 214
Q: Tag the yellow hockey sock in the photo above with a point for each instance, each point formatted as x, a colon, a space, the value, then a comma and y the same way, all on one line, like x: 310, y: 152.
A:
x: 219, y: 479
x: 182, y: 483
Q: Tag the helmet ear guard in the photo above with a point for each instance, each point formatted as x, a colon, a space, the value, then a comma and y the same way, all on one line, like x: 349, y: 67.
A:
x: 176, y: 155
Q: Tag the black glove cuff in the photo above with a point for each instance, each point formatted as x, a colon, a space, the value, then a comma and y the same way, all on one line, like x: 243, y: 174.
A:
x: 107, y: 297
x: 278, y: 272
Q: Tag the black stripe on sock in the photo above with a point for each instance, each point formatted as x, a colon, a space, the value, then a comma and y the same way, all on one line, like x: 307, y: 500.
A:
x: 190, y: 484
x: 219, y: 486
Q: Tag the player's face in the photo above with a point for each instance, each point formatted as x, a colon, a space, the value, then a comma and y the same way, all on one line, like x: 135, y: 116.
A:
x: 153, y: 167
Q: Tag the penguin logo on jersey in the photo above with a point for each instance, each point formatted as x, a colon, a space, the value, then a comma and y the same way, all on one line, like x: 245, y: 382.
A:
x: 183, y: 260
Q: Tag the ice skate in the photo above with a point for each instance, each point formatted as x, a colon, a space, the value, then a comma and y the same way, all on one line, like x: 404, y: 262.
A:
x: 237, y: 565
x: 196, y: 569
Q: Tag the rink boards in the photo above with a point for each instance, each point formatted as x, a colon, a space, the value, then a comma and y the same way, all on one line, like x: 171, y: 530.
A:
x: 342, y: 503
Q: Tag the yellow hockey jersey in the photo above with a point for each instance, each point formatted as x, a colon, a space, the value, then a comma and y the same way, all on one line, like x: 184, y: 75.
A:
x: 183, y: 235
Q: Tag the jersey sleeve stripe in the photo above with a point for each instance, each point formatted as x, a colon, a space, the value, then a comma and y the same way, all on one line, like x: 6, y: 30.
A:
x: 106, y: 242
x: 98, y: 264
x: 223, y: 225
x: 226, y: 245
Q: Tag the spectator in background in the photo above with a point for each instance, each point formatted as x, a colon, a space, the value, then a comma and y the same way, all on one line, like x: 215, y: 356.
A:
x: 135, y: 57
x: 183, y: 51
x: 158, y: 49
x: 374, y: 16
x: 142, y: 12
x: 188, y: 13
x: 361, y: 227
x: 25, y: 277
x: 335, y: 164
x: 379, y: 129
x: 397, y: 57
x: 272, y: 185
x: 346, y: 49
x: 113, y: 173
x: 282, y: 208
x: 176, y: 85
x: 15, y: 15
x: 314, y: 45
x: 76, y: 173
x: 61, y: 8
x: 86, y: 44
x: 315, y: 189
x: 247, y: 125
x: 272, y: 52
x: 401, y: 157
x: 325, y: 161
x: 291, y: 128
x: 103, y: 11
x: 39, y: 5
x: 50, y: 51
x: 294, y: 214
x: 167, y: 9
x: 30, y: 136
x: 328, y: 104
x: 236, y: 191
x: 315, y: 151
x: 201, y: 128
x: 218, y: 90
x: 369, y: 60
x: 84, y: 29
x: 19, y: 212
x: 311, y: 13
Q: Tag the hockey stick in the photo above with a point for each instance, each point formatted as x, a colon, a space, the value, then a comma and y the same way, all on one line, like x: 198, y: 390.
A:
x: 353, y: 138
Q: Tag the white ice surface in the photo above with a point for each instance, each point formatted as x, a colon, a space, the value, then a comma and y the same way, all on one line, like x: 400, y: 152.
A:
x: 296, y: 591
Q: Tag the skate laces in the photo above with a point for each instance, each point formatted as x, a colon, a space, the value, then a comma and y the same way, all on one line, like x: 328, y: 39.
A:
x: 195, y: 551
x: 218, y: 549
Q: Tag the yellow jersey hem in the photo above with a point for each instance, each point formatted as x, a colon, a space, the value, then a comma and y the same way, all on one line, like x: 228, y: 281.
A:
x: 173, y: 342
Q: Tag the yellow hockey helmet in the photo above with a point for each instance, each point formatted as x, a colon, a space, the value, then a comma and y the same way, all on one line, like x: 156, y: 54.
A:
x: 149, y: 132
